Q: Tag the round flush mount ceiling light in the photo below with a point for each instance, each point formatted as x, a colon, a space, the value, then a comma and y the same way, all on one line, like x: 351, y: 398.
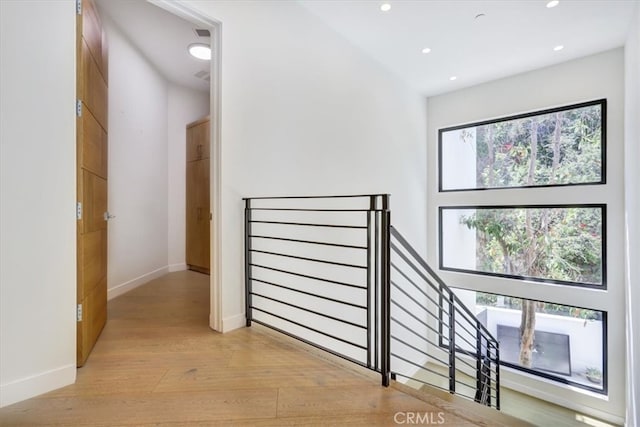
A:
x: 552, y: 3
x: 385, y: 7
x: 558, y: 48
x: 426, y: 50
x: 200, y: 51
x: 452, y: 78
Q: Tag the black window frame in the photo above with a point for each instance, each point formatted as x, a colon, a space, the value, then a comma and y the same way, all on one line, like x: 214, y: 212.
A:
x: 602, y: 206
x: 603, y: 142
x: 540, y: 373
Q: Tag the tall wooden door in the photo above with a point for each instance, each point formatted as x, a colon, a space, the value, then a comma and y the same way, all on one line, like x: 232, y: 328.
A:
x: 92, y: 149
x: 197, y: 203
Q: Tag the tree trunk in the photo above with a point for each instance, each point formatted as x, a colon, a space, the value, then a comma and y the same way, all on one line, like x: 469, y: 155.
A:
x: 527, y: 328
x: 528, y: 315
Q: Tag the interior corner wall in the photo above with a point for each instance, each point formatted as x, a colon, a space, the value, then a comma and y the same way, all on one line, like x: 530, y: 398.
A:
x: 304, y: 112
x: 138, y: 167
x: 184, y: 106
x: 588, y: 78
x: 632, y: 211
x: 37, y: 199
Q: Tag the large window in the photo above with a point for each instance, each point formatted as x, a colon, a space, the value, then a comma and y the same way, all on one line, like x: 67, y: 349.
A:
x: 558, y: 146
x: 495, y: 220
x: 558, y: 342
x: 559, y: 244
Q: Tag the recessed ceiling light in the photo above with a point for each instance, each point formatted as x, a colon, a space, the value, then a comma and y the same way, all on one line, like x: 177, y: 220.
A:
x: 200, y: 51
x: 426, y: 50
x: 559, y: 47
x: 552, y: 3
x: 385, y: 7
x: 452, y: 78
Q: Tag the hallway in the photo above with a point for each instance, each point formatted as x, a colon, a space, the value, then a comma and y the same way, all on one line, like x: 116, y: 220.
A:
x: 158, y: 363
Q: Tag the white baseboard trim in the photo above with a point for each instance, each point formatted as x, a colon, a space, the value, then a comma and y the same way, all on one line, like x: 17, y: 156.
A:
x: 26, y: 388
x: 233, y: 322
x: 177, y: 267
x: 125, y: 287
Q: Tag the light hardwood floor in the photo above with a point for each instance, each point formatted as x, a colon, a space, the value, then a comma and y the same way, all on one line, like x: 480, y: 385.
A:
x: 158, y: 363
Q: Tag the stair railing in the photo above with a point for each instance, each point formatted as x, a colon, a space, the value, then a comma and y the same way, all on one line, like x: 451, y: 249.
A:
x: 332, y: 272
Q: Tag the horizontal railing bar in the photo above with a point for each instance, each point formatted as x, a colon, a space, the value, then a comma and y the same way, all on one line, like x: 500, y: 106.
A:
x: 434, y: 316
x: 415, y: 333
x: 393, y: 283
x: 337, y: 245
x: 416, y: 286
x: 420, y: 381
x: 466, y: 363
x: 344, y: 196
x: 432, y: 273
x: 311, y: 210
x: 307, y: 224
x: 346, y: 322
x: 323, y: 261
x: 310, y: 328
x: 362, y: 307
x: 472, y: 344
x: 427, y: 340
x: 419, y: 350
x: 418, y: 366
x: 486, y: 335
x: 306, y: 276
x: 321, y: 347
x: 414, y: 268
x: 414, y: 316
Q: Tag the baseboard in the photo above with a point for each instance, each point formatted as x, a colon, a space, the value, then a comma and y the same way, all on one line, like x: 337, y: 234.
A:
x: 233, y: 322
x: 35, y: 385
x: 177, y: 267
x: 132, y: 284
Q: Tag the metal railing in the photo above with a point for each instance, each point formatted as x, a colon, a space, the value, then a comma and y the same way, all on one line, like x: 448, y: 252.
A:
x: 332, y: 272
x: 435, y: 339
x: 312, y: 271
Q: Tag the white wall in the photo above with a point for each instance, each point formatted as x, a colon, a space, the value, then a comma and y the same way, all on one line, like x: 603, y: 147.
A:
x: 184, y: 106
x: 632, y: 199
x: 138, y: 166
x: 304, y: 112
x: 588, y: 78
x: 37, y: 199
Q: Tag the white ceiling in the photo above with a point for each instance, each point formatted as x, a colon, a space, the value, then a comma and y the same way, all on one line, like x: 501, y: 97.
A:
x: 513, y: 36
x: 161, y: 37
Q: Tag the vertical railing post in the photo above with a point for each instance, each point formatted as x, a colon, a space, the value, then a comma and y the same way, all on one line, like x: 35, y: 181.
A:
x: 452, y: 345
x: 385, y: 272
x: 247, y: 261
x: 370, y: 307
x: 497, y: 364
x: 479, y: 367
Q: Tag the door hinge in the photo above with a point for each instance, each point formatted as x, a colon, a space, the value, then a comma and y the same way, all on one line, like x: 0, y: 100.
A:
x: 79, y: 7
x: 78, y: 210
x: 79, y: 313
x: 79, y: 108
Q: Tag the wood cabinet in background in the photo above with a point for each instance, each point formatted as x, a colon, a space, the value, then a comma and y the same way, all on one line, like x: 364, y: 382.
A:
x: 197, y: 209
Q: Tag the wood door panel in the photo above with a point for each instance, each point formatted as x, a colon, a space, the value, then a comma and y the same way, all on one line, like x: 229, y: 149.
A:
x: 198, y: 137
x: 93, y: 147
x: 94, y: 190
x: 92, y: 249
x: 92, y: 33
x: 197, y: 214
x: 94, y: 308
x: 93, y: 87
x: 91, y: 172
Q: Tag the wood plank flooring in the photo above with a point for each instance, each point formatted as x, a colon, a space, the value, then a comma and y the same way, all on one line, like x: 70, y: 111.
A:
x: 157, y: 363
